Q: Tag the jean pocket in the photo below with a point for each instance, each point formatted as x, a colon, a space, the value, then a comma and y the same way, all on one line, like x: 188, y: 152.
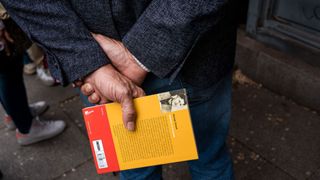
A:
x: 198, y: 95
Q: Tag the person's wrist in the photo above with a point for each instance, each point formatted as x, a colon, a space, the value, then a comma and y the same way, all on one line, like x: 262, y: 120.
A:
x: 139, y: 72
x: 140, y: 64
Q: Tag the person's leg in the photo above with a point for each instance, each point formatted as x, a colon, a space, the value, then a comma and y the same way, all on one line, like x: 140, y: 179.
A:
x: 13, y: 94
x: 14, y: 100
x: 211, y: 111
x: 29, y: 67
x: 148, y: 173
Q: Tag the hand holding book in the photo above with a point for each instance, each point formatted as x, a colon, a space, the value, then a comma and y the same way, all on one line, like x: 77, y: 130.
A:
x: 117, y: 82
x: 109, y: 85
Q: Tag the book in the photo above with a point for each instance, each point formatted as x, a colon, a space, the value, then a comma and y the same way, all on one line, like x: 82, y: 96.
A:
x: 163, y: 133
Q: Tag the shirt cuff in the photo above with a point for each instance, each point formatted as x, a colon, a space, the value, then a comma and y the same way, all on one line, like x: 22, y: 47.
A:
x: 140, y: 64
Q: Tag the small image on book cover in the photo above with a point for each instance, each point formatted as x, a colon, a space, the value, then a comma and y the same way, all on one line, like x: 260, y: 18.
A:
x: 173, y: 101
x: 163, y: 133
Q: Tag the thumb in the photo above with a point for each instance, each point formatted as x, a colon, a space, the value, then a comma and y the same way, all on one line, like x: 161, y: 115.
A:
x: 104, y: 42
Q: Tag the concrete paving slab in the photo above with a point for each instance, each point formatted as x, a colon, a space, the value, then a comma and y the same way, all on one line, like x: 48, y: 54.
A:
x: 44, y: 160
x: 86, y: 171
x: 72, y: 108
x: 244, y: 160
x: 266, y: 171
x: 315, y: 175
x: 249, y: 165
x: 37, y: 91
x: 278, y: 129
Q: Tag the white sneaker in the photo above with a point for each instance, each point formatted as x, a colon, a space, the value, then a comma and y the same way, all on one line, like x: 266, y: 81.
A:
x: 36, y: 109
x: 45, y: 76
x: 8, y: 122
x: 40, y: 130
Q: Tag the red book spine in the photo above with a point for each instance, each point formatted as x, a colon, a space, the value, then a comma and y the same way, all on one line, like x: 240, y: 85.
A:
x: 100, y: 137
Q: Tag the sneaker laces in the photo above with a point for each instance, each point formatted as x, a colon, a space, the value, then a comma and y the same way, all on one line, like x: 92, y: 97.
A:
x: 37, y: 121
x: 42, y: 122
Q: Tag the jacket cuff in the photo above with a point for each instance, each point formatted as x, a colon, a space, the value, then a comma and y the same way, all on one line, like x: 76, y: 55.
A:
x: 81, y: 67
x: 158, y: 51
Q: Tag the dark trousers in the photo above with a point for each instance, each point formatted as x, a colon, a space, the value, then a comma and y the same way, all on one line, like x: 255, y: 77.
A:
x: 13, y: 95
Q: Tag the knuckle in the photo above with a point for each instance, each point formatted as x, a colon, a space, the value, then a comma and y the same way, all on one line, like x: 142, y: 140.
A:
x: 94, y: 98
x: 126, y: 92
x: 131, y: 114
x: 82, y: 89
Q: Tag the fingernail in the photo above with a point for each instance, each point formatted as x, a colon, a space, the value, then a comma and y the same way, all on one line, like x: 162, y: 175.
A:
x: 130, y: 126
x: 88, y: 88
x: 94, y: 97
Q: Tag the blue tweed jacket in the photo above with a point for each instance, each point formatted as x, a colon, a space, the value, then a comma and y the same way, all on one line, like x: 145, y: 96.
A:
x: 193, y: 38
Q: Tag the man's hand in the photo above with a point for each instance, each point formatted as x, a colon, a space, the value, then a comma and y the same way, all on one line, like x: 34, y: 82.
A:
x: 107, y: 84
x: 121, y: 58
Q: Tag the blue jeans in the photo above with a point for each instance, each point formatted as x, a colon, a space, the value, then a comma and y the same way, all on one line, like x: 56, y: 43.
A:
x: 210, y: 111
x: 13, y: 95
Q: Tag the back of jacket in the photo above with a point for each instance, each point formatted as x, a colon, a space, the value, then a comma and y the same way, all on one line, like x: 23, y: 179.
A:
x: 194, y: 38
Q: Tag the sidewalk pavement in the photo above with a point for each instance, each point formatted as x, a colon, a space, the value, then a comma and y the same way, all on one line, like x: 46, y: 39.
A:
x: 271, y: 137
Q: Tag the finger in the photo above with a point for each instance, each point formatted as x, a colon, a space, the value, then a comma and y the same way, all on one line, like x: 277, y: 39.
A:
x: 77, y: 84
x: 138, y: 92
x: 94, y: 98
x: 104, y: 100
x: 87, y: 89
x: 101, y: 38
x: 105, y: 43
x: 128, y: 113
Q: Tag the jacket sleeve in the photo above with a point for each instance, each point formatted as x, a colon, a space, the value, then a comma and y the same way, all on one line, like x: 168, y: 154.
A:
x: 167, y: 30
x: 71, y: 50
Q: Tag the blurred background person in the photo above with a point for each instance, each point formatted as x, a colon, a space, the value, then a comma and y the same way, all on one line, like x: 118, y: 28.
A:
x: 35, y: 62
x: 13, y: 95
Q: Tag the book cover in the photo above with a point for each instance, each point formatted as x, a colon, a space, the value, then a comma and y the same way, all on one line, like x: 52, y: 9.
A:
x: 163, y: 133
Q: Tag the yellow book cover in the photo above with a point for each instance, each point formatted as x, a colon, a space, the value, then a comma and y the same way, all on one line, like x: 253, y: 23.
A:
x: 163, y: 133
